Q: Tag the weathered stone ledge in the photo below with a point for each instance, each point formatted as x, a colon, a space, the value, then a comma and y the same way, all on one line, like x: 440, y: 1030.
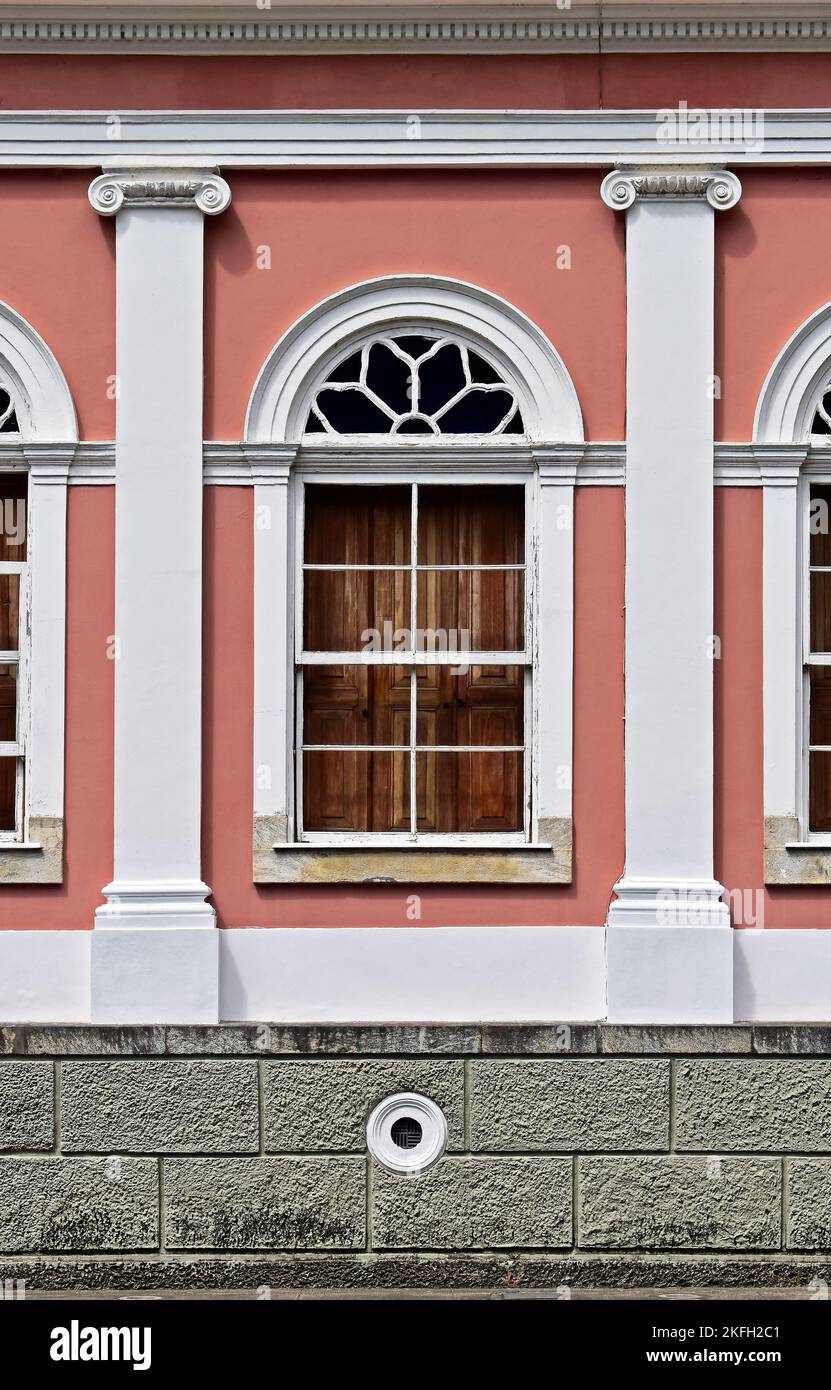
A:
x: 259, y: 1272
x: 275, y: 1039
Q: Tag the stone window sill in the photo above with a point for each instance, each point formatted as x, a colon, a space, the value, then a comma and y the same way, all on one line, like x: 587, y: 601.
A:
x: 791, y: 861
x: 38, y: 859
x: 278, y: 860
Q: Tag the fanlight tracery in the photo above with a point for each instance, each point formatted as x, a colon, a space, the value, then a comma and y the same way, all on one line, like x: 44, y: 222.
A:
x: 414, y: 384
x: 8, y: 412
x: 821, y: 423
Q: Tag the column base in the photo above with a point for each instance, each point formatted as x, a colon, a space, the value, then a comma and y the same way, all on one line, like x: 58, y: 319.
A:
x: 168, y: 903
x: 155, y: 955
x: 669, y: 953
x: 668, y: 902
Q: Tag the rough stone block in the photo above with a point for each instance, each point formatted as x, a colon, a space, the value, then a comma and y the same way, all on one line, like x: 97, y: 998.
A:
x: 668, y: 1202
x: 569, y: 1104
x: 809, y: 1204
x: 322, y: 1105
x: 265, y: 1203
x: 27, y: 1119
x: 160, y: 1107
x: 66, y: 1204
x: 479, y: 1203
x: 753, y: 1105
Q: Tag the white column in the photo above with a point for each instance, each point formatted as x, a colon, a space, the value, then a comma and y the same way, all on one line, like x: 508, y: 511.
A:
x: 669, y: 939
x: 155, y: 951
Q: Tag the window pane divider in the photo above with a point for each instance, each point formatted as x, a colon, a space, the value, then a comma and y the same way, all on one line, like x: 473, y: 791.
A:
x: 408, y: 748
x: 462, y: 656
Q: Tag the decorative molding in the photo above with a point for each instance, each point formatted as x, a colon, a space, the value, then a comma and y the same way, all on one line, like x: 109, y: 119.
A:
x: 191, y: 143
x: 592, y: 463
x: 421, y: 27
x: 162, y: 188
x: 621, y: 188
x: 788, y: 398
x: 287, y: 382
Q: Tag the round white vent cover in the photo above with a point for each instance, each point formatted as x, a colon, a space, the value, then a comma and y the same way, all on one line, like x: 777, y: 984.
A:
x: 407, y: 1133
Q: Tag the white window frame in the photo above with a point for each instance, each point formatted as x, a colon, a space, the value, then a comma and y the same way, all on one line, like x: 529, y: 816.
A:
x: 810, y: 475
x: 18, y: 749
x: 42, y: 449
x: 411, y: 474
x: 790, y: 458
x: 281, y: 458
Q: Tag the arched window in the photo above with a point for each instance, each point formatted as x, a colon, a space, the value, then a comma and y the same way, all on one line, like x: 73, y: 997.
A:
x: 414, y: 385
x: 37, y: 436
x: 793, y: 435
x: 412, y: 408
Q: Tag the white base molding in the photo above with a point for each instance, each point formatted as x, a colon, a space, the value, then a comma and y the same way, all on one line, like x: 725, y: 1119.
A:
x: 154, y: 975
x: 413, y: 974
x: 668, y: 902
x: 170, y: 903
x: 656, y: 976
x: 782, y: 976
x: 44, y: 976
x: 670, y: 974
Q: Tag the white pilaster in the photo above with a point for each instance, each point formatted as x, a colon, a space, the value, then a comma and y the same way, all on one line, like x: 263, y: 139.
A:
x: 157, y: 893
x: 669, y: 945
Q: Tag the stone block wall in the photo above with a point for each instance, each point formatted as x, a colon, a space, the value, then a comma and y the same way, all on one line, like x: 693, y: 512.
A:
x: 236, y: 1156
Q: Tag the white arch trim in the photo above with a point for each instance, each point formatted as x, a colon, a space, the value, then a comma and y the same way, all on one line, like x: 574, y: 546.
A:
x: 45, y: 411
x: 46, y: 416
x: 283, y: 392
x: 788, y: 398
x: 784, y: 415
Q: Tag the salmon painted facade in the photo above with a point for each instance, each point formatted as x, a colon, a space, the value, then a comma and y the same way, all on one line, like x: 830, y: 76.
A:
x: 525, y: 340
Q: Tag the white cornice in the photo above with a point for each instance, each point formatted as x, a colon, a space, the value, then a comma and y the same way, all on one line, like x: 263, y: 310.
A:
x: 596, y: 463
x: 144, y: 140
x: 613, y: 26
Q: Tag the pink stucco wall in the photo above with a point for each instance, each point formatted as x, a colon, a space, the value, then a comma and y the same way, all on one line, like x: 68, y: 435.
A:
x: 497, y: 229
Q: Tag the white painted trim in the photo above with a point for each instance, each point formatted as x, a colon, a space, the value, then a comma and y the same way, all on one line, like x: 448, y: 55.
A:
x: 358, y: 139
x: 44, y: 976
x: 784, y: 414
x: 782, y: 976
x: 45, y: 411
x: 273, y: 631
x: 44, y: 448
x: 411, y: 27
x: 419, y: 974
x: 553, y: 669
x: 595, y: 463
x: 788, y: 398
x: 412, y: 974
x: 286, y: 385
x: 154, y: 975
x: 680, y: 975
x: 47, y: 643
